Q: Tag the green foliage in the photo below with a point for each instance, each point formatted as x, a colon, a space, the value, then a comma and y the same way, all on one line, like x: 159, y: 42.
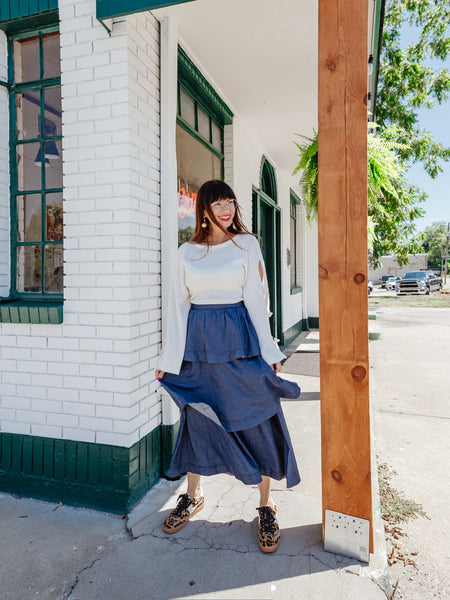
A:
x: 309, y: 167
x: 435, y: 242
x: 407, y: 82
x: 393, y: 203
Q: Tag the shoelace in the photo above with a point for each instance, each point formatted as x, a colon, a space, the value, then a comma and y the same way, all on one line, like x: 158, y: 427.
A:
x: 183, y: 503
x: 266, y: 519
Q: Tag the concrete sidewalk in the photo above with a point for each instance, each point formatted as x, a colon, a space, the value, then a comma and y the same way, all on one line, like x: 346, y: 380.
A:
x: 76, y: 554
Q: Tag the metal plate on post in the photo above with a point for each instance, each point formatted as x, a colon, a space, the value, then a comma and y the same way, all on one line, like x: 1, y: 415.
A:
x: 347, y: 535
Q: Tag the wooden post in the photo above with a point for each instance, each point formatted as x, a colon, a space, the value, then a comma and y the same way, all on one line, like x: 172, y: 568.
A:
x: 343, y: 313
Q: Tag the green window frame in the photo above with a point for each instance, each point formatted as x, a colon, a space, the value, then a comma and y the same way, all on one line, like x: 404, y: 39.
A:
x: 210, y: 113
x: 38, y: 250
x: 293, y: 266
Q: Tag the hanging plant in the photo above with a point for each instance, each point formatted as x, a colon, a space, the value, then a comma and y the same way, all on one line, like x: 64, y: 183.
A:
x: 393, y: 203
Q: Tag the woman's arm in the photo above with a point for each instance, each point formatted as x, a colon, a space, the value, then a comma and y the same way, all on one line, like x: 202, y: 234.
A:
x: 255, y: 296
x: 178, y: 307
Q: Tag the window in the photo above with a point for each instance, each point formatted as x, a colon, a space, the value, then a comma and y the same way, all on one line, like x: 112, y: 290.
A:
x: 36, y: 166
x: 201, y: 117
x: 293, y: 248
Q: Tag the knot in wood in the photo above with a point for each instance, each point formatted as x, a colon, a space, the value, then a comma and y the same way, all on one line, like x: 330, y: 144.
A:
x: 323, y: 272
x: 331, y: 66
x: 336, y: 475
x: 358, y: 373
x: 359, y: 278
x: 365, y: 99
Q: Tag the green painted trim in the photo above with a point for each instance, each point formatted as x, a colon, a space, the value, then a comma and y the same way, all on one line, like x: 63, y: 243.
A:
x: 110, y: 478
x: 295, y: 199
x: 296, y: 290
x: 378, y: 27
x: 313, y: 323
x: 372, y: 317
x: 21, y: 311
x: 290, y: 334
x: 17, y: 11
x: 199, y: 88
x: 106, y: 9
x: 41, y: 85
x: 267, y: 169
x: 374, y: 335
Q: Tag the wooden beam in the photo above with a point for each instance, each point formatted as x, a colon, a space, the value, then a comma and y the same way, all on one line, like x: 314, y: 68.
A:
x: 343, y: 312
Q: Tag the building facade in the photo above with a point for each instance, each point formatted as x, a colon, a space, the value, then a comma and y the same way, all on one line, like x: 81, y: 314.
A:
x: 109, y: 123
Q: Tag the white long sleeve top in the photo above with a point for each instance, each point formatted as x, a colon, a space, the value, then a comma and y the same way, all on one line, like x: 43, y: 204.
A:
x: 226, y: 273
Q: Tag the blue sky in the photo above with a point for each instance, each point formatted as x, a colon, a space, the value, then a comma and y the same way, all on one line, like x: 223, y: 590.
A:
x: 437, y: 121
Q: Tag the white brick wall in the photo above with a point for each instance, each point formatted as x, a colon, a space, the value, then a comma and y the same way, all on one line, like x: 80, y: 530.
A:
x: 4, y: 173
x: 91, y: 378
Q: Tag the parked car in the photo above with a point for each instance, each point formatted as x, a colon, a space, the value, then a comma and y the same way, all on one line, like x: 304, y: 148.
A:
x: 391, y: 283
x: 419, y: 282
x: 384, y: 279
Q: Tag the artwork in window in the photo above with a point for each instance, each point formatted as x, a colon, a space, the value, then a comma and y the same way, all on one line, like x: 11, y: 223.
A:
x: 54, y: 269
x: 28, y: 176
x: 54, y: 217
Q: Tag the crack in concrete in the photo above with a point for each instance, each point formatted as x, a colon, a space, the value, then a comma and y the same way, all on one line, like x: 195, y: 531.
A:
x: 371, y: 579
x: 66, y: 595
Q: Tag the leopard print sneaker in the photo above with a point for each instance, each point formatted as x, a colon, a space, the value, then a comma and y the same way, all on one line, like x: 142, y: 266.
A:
x: 186, y: 508
x: 268, y: 529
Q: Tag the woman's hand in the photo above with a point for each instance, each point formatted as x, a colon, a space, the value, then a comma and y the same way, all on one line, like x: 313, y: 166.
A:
x: 159, y: 374
x: 276, y: 367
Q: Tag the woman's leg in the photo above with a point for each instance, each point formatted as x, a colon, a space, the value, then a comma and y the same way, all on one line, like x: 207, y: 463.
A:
x: 264, y: 492
x: 193, y: 488
x: 268, y: 528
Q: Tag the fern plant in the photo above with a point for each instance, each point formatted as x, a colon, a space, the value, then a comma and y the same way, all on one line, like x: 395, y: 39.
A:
x: 393, y: 203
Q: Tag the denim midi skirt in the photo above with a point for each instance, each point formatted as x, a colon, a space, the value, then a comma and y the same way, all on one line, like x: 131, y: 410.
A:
x: 231, y: 417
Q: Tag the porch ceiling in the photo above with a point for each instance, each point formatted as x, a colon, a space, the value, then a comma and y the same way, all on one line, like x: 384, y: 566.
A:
x: 261, y: 57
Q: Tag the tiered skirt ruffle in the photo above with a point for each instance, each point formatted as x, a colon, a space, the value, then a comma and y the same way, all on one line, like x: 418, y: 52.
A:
x: 229, y: 397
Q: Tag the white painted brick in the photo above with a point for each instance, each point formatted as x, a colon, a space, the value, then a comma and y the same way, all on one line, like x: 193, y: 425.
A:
x: 78, y: 435
x: 30, y: 416
x: 46, y: 431
x: 16, y: 402
x: 20, y: 378
x: 95, y: 423
x: 62, y: 420
x: 15, y: 427
x: 79, y: 408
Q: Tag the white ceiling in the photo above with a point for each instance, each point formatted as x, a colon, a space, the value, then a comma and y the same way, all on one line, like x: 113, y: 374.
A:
x: 261, y: 57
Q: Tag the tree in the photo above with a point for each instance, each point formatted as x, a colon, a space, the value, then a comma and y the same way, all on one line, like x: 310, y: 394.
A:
x: 407, y: 82
x: 393, y: 203
x: 435, y: 243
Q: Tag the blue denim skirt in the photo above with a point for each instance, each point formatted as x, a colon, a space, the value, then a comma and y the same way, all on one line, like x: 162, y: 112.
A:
x: 229, y: 397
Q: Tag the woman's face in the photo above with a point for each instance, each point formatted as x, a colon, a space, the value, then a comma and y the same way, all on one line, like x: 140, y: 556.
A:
x: 224, y: 210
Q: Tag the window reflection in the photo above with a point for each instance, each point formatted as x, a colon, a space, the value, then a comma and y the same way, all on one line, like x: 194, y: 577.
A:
x: 196, y: 164
x: 29, y: 218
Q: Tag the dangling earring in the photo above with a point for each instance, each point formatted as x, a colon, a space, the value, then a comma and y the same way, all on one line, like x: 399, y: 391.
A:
x: 204, y: 223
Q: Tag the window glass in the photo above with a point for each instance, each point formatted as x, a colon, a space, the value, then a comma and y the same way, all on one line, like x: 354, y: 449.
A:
x: 53, y: 269
x: 50, y: 46
x: 28, y: 110
x: 29, y: 269
x: 187, y: 108
x: 216, y: 136
x: 26, y: 59
x: 52, y: 111
x: 203, y: 124
x: 28, y: 164
x: 196, y: 164
x: 37, y: 182
x: 293, y: 250
x: 53, y: 164
x: 29, y: 221
x: 54, y: 217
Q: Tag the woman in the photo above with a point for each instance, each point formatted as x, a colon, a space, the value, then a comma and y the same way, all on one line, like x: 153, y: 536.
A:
x: 220, y: 362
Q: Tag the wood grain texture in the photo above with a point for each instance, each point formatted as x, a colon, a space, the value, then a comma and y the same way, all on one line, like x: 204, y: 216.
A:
x: 343, y: 312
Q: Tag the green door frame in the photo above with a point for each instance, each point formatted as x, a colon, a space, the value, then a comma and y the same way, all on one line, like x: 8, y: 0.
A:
x: 267, y: 224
